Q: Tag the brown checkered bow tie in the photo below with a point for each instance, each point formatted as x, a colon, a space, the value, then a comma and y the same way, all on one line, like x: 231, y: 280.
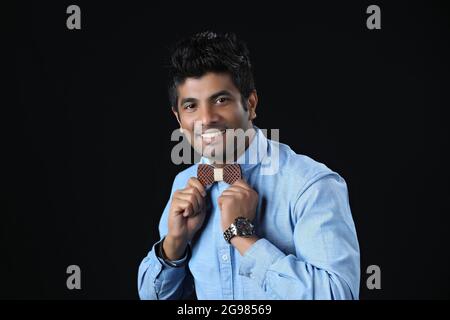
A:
x: 208, y: 174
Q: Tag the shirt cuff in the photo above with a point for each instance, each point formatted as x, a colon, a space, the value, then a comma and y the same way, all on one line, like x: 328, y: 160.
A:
x: 258, y: 259
x: 158, y: 280
x: 180, y: 262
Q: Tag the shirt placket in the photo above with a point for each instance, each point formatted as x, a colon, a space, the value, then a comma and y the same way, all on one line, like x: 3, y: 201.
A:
x: 224, y: 250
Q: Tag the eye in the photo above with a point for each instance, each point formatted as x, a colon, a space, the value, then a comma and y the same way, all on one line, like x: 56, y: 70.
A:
x: 222, y: 100
x: 189, y: 107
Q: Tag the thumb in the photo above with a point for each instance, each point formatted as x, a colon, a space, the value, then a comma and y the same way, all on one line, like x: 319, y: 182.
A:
x: 242, y: 181
x: 219, y: 202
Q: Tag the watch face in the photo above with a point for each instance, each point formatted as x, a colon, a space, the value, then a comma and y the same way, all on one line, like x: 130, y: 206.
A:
x: 244, y: 227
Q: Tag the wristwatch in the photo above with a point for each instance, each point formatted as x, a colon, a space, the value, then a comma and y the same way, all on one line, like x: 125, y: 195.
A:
x: 241, y: 227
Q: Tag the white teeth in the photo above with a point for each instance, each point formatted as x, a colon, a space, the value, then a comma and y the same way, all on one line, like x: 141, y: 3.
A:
x: 210, y: 135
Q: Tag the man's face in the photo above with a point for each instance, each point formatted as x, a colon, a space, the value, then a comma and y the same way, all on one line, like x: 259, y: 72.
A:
x: 212, y: 104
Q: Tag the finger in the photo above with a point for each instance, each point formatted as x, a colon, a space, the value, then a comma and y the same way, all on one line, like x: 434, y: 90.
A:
x: 198, y: 197
x: 231, y: 193
x: 220, y: 201
x: 238, y: 188
x: 190, y: 198
x: 194, y: 182
x: 241, y: 183
x: 223, y: 197
x: 185, y: 207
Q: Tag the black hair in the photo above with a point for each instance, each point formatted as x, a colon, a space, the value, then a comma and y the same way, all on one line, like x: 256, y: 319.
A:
x: 210, y: 52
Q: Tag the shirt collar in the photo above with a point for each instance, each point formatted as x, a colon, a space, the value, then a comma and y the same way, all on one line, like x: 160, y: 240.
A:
x: 253, y: 155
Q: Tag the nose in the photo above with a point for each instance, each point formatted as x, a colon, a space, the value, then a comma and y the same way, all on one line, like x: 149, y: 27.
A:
x: 208, y: 116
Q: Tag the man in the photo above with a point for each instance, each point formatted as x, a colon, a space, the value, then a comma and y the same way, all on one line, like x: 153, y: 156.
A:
x: 286, y: 234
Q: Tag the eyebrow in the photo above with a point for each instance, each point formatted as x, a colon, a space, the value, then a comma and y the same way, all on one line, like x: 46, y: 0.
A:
x: 212, y: 97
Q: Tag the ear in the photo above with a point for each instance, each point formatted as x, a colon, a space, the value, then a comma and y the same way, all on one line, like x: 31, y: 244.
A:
x: 252, y: 102
x: 177, y: 116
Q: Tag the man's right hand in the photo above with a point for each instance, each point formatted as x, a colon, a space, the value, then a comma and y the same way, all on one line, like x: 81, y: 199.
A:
x: 186, y: 215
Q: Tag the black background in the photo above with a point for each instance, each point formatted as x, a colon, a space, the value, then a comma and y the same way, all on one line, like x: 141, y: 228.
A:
x: 87, y: 148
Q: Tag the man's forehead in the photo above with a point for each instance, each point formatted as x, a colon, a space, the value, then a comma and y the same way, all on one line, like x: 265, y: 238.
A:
x: 206, y: 85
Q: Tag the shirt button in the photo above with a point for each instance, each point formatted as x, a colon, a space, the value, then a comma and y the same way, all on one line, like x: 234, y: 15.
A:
x: 224, y: 257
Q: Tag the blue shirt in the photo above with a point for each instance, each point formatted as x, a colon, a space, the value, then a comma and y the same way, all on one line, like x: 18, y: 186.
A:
x: 308, y: 248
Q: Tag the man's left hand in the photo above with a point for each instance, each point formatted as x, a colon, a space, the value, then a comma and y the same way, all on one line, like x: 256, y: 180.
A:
x: 239, y: 200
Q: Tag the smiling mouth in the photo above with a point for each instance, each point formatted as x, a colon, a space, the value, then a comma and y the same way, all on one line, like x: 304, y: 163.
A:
x: 211, y: 135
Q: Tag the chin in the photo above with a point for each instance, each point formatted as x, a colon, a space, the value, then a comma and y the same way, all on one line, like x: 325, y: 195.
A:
x: 216, y: 157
